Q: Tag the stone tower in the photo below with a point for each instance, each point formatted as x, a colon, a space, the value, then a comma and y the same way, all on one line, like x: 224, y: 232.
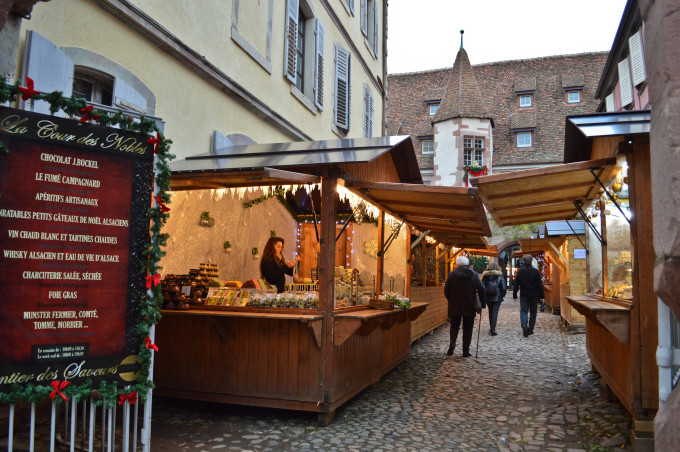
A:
x: 463, y: 127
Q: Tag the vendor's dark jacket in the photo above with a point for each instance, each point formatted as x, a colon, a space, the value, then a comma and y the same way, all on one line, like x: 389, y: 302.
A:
x: 494, y: 275
x: 275, y: 274
x: 459, y: 290
x: 528, y: 283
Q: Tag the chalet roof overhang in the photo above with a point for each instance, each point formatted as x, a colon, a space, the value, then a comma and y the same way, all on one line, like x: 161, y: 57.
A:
x: 543, y: 194
x: 581, y: 130
x: 453, y: 215
x: 290, y: 163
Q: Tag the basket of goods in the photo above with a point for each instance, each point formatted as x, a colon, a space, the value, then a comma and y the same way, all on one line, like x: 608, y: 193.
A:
x: 381, y: 303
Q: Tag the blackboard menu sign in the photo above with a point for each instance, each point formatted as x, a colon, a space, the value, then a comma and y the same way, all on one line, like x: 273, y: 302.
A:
x: 73, y: 222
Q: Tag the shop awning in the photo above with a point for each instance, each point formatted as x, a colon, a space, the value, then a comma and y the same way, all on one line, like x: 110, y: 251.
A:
x: 289, y: 163
x: 543, y: 194
x: 453, y: 215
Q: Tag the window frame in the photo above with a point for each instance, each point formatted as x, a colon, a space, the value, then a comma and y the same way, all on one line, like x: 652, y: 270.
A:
x: 422, y: 143
x: 574, y: 91
x: 519, y: 133
x: 436, y: 108
x: 529, y: 96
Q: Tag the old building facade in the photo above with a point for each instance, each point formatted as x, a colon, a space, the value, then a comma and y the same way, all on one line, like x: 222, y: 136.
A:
x: 216, y: 74
x: 524, y: 101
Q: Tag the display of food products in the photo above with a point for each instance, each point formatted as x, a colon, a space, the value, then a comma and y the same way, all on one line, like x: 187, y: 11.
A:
x: 306, y: 300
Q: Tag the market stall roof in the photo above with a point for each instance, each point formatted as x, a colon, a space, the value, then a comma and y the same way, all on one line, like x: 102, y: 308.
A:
x: 580, y: 130
x: 453, y: 215
x: 543, y: 194
x: 289, y: 163
x: 563, y: 227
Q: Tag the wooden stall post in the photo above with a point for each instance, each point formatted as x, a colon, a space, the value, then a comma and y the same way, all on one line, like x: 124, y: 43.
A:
x: 644, y: 319
x: 436, y: 278
x: 329, y: 184
x: 605, y: 261
x: 409, y: 264
x: 381, y: 257
x: 423, y: 261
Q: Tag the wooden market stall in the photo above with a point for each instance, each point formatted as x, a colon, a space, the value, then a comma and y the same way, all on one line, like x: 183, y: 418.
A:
x: 607, y: 184
x: 313, y: 358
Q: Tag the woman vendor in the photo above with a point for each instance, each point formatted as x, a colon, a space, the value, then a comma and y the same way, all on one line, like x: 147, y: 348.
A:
x: 273, y: 267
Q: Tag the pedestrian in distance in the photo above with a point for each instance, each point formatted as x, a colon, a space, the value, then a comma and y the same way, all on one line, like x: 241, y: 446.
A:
x: 460, y: 289
x: 530, y: 287
x: 494, y: 282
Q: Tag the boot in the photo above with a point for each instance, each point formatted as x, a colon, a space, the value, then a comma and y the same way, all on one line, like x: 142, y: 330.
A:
x: 450, y: 350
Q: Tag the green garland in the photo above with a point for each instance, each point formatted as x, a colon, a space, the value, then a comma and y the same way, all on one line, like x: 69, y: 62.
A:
x: 108, y: 393
x: 474, y: 169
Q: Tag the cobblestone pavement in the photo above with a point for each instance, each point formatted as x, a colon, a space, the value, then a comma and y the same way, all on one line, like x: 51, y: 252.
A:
x: 520, y: 394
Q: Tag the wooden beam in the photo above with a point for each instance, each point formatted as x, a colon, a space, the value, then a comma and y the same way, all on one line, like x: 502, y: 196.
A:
x: 381, y: 258
x: 565, y: 264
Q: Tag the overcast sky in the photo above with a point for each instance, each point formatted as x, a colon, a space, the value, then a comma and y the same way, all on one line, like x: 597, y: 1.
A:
x: 425, y: 34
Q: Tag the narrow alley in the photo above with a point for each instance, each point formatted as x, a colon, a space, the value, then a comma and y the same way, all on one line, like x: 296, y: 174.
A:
x: 520, y: 394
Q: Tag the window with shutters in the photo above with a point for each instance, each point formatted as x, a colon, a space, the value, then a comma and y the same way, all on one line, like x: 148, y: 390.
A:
x: 369, y: 24
x: 637, y: 59
x: 80, y: 72
x: 625, y: 85
x: 368, y: 112
x: 304, y: 53
x: 342, y: 88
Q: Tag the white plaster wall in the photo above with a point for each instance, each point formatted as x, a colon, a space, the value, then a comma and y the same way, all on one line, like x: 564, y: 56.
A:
x: 446, y: 153
x: 191, y: 244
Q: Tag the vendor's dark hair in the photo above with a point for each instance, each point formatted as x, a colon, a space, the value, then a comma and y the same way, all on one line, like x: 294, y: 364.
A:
x: 270, y: 253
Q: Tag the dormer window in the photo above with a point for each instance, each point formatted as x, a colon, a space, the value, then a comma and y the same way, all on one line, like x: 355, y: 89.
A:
x: 525, y: 100
x: 433, y: 109
x: 574, y: 96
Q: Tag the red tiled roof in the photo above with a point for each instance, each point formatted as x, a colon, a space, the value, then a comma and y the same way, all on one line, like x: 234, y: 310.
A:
x: 496, y: 82
x: 462, y: 98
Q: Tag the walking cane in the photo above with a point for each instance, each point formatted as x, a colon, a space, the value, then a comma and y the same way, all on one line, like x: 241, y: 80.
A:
x: 478, y: 331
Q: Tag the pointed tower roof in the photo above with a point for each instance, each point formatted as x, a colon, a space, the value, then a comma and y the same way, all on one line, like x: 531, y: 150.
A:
x: 462, y: 98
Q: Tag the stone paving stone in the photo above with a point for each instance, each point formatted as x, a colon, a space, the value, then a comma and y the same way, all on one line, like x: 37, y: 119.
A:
x: 538, y: 393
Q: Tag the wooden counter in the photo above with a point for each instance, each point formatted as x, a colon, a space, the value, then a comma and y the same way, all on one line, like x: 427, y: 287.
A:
x: 608, y: 343
x: 277, y: 359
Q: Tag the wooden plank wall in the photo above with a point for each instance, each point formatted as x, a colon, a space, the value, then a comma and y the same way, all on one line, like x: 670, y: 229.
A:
x: 644, y: 319
x: 381, y: 169
x: 258, y: 358
x: 364, y: 358
x: 435, y: 314
x: 612, y: 361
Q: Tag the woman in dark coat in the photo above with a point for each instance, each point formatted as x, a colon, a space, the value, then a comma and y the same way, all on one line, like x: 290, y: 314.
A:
x: 273, y: 267
x: 460, y: 288
x: 494, y: 282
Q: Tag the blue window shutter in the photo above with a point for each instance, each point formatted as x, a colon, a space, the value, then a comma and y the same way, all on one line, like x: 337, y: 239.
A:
x: 318, y: 80
x: 290, y: 56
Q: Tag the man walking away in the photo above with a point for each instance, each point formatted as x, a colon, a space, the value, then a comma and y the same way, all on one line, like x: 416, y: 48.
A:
x: 460, y: 288
x: 528, y: 283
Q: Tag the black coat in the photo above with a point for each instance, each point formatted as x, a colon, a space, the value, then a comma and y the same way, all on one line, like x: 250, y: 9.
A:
x: 491, y: 275
x: 275, y: 274
x: 459, y: 290
x: 528, y: 282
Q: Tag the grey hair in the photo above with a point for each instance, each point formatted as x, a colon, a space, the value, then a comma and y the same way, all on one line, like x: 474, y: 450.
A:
x: 528, y: 258
x: 462, y: 261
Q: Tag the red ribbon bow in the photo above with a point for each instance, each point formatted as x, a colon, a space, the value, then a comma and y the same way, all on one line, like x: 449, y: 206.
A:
x: 87, y: 111
x: 155, y: 142
x: 161, y: 204
x: 29, y: 91
x: 149, y: 344
x: 58, y: 387
x: 153, y: 279
x: 132, y: 398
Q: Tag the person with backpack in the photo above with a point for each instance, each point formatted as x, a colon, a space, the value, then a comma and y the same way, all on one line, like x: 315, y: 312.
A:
x: 530, y: 287
x: 494, y: 281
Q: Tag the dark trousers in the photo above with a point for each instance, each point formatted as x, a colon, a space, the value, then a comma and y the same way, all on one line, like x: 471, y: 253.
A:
x: 527, y: 311
x: 468, y: 325
x: 493, y: 306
